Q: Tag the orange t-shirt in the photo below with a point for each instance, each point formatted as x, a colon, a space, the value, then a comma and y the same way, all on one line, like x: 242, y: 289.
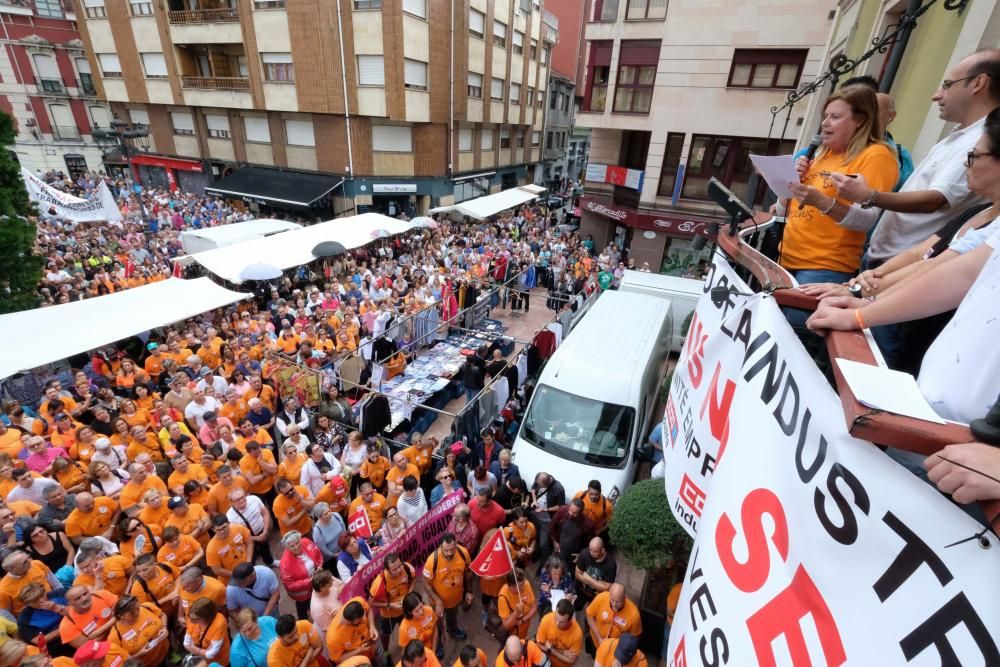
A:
x: 134, y: 637
x: 10, y: 587
x: 396, y: 476
x: 160, y: 585
x: 375, y: 472
x: 180, y: 554
x: 606, y: 655
x: 600, y: 512
x: 235, y: 411
x: 284, y: 508
x: 251, y: 466
x: 93, y: 523
x: 266, y: 396
x: 132, y: 493
x: 10, y: 443
x: 292, y: 469
x: 419, y: 456
x: 611, y: 623
x: 141, y: 540
x: 75, y: 624
x: 520, y: 538
x: 148, y: 445
x: 178, y: 479
x: 204, y: 636
x: 815, y: 241
x: 218, y: 495
x: 376, y: 509
x: 387, y: 588
x: 114, y: 575
x: 187, y: 523
x: 150, y: 515
x: 418, y: 628
x: 213, y: 589
x: 230, y: 552
x: 521, y: 600
x: 342, y: 637
x: 570, y: 639
x: 480, y: 653
x: 447, y: 576
x: 292, y: 655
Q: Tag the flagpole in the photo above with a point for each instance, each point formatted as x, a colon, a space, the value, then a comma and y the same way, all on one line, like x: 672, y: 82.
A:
x: 513, y: 570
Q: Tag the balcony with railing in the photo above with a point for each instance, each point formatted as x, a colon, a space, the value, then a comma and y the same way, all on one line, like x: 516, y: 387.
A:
x: 205, y: 25
x: 188, y: 16
x: 215, y: 82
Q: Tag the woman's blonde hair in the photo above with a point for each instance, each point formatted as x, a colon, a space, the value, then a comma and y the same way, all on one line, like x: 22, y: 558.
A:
x: 864, y: 106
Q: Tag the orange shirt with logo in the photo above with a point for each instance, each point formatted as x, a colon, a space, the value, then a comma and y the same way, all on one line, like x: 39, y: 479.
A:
x: 285, y: 508
x: 611, y: 623
x: 218, y: 495
x: 75, y: 624
x: 230, y: 552
x: 10, y: 587
x: 375, y: 509
x: 251, y: 466
x: 179, y: 553
x: 283, y: 655
x: 447, y: 576
x: 92, y: 523
x: 418, y: 628
x: 136, y: 636
x: 570, y: 639
x: 342, y: 637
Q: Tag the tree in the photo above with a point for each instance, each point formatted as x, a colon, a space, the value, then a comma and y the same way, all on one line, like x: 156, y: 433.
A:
x: 644, y: 528
x: 20, y: 267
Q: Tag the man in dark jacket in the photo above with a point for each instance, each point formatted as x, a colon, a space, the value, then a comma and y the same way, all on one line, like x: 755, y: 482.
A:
x: 547, y: 497
x: 474, y: 374
x: 571, y: 531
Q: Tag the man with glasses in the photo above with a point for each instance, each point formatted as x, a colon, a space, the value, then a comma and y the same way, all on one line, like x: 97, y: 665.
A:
x: 250, y: 511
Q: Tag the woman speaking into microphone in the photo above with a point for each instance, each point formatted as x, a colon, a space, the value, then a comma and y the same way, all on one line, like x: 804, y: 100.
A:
x: 816, y: 247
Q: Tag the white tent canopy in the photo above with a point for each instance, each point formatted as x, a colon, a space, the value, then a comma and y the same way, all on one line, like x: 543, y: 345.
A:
x: 198, y: 240
x: 37, y: 337
x: 481, y: 208
x: 294, y: 248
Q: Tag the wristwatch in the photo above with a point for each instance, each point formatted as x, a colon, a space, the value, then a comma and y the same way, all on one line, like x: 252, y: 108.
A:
x: 871, y: 201
x: 855, y: 290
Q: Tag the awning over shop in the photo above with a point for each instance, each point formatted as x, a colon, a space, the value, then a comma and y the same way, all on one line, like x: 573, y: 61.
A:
x: 198, y: 240
x: 295, y: 247
x: 37, y: 337
x: 481, y: 208
x: 274, y: 186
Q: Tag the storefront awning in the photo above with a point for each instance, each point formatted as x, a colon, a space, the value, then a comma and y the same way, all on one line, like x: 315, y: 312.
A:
x: 199, y: 240
x: 274, y: 186
x: 40, y: 336
x: 481, y: 208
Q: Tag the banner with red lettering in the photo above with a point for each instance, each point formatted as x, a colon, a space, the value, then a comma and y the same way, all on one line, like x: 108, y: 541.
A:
x: 413, y: 546
x: 694, y: 425
x: 814, y: 548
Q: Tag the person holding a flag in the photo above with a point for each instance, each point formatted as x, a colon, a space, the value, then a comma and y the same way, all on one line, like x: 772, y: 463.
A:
x: 388, y: 590
x: 449, y: 581
x: 516, y: 604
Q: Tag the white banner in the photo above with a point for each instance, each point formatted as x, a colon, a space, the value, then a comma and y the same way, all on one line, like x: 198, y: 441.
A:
x: 694, y: 428
x: 814, y: 548
x: 101, y: 207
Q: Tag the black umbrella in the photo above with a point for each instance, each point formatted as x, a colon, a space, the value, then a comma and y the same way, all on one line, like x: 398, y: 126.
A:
x: 329, y: 249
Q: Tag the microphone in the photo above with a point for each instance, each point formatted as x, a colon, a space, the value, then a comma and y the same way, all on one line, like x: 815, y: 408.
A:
x: 814, y: 145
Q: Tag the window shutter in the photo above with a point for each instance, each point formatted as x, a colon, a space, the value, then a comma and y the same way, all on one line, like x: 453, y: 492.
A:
x: 154, y: 64
x: 499, y: 29
x: 62, y: 117
x: 109, y: 62
x: 465, y: 139
x: 496, y: 89
x: 515, y: 92
x: 414, y: 73
x: 416, y: 7
x: 639, y: 52
x: 393, y: 138
x: 300, y: 133
x: 257, y: 129
x: 475, y: 80
x: 139, y: 116
x: 93, y: 3
x: 83, y: 66
x: 182, y: 121
x: 518, y: 38
x: 477, y: 21
x: 217, y: 123
x: 46, y: 66
x: 371, y: 70
x: 277, y: 58
x: 486, y: 140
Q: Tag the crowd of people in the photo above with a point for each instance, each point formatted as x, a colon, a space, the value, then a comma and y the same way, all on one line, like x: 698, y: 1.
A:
x: 162, y: 498
x: 909, y: 252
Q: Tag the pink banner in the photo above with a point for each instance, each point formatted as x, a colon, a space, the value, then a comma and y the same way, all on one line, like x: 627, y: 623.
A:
x: 413, y: 547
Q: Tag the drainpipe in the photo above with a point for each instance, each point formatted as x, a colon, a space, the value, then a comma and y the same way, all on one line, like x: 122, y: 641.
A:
x: 347, y: 103
x: 451, y: 88
x: 896, y: 57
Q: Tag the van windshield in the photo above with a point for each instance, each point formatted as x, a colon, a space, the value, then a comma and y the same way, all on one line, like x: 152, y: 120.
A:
x: 579, y: 429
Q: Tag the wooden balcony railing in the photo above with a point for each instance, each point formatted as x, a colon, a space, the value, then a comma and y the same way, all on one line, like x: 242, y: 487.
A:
x: 224, y: 15
x: 907, y: 433
x: 215, y: 82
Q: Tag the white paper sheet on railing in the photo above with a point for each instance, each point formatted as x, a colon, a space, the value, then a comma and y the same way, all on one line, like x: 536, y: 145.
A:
x: 100, y: 207
x: 294, y: 248
x: 33, y: 338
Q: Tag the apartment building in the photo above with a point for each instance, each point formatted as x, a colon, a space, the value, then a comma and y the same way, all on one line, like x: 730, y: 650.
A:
x: 47, y: 88
x: 677, y: 92
x: 327, y: 105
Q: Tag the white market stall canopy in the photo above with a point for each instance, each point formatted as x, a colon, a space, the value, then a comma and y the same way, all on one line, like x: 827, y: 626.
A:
x: 481, y: 208
x: 199, y: 240
x: 295, y: 248
x: 37, y: 337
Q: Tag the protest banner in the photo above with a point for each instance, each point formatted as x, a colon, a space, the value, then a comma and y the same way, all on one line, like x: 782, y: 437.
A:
x: 815, y: 548
x: 692, y: 443
x: 101, y: 206
x: 413, y: 546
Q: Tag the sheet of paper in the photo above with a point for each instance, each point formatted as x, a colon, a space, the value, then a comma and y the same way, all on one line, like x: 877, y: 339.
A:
x: 778, y: 171
x: 885, y: 389
x: 556, y: 594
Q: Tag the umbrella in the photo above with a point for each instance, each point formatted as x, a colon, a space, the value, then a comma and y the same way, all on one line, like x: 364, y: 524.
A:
x: 329, y: 249
x: 380, y: 233
x: 260, y: 271
x: 425, y: 221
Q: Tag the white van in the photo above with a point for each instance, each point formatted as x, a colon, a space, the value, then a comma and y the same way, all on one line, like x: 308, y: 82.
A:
x: 683, y: 294
x: 595, y: 401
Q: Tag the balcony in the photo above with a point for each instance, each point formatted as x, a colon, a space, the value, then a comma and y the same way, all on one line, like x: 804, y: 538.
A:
x: 188, y: 17
x: 22, y: 7
x: 217, y: 25
x: 66, y: 132
x: 215, y: 82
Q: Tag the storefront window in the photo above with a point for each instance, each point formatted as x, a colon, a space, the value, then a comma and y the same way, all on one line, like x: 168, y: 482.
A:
x: 683, y: 261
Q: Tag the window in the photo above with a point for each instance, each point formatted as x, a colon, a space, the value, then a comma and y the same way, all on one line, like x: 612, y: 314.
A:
x: 182, y: 122
x: 392, y: 138
x: 368, y: 4
x: 767, y: 68
x: 465, y: 139
x: 496, y: 89
x: 636, y: 75
x: 500, y: 34
x: 141, y: 8
x: 540, y: 99
x: 63, y: 123
x: 110, y: 67
x: 533, y: 50
x: 278, y: 67
x: 139, y: 116
x: 646, y: 9
x: 671, y: 161
x: 100, y: 116
x: 257, y: 130
x: 414, y: 74
x: 94, y: 9
x: 86, y: 80
x: 49, y: 78
x: 515, y: 93
x: 299, y: 133
x: 606, y: 10
x: 269, y: 4
x: 242, y: 67
x: 536, y: 138
x: 371, y: 70
x: 218, y: 126
x: 552, y: 100
x: 486, y: 139
x: 520, y: 139
x: 475, y: 85
x: 548, y: 139
x: 477, y: 23
x: 727, y: 159
x: 531, y: 97
x: 155, y: 65
x: 518, y: 42
x: 504, y: 139
x: 416, y: 7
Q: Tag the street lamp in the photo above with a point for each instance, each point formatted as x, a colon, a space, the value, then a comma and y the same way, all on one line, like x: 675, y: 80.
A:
x: 126, y: 139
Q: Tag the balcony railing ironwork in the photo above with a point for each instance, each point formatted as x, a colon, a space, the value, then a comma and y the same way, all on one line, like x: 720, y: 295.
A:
x: 216, y: 82
x: 224, y: 15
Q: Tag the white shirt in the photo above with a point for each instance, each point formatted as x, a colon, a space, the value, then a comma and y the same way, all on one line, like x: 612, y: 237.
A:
x: 943, y: 170
x: 313, y: 479
x: 413, y: 508
x: 973, y: 238
x: 194, y: 413
x: 254, y: 514
x: 958, y: 376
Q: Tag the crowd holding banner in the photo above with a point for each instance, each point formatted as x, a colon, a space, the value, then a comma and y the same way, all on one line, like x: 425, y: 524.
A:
x: 100, y: 207
x: 811, y: 547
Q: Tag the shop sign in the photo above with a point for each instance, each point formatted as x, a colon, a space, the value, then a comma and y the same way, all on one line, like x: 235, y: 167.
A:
x: 394, y: 188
